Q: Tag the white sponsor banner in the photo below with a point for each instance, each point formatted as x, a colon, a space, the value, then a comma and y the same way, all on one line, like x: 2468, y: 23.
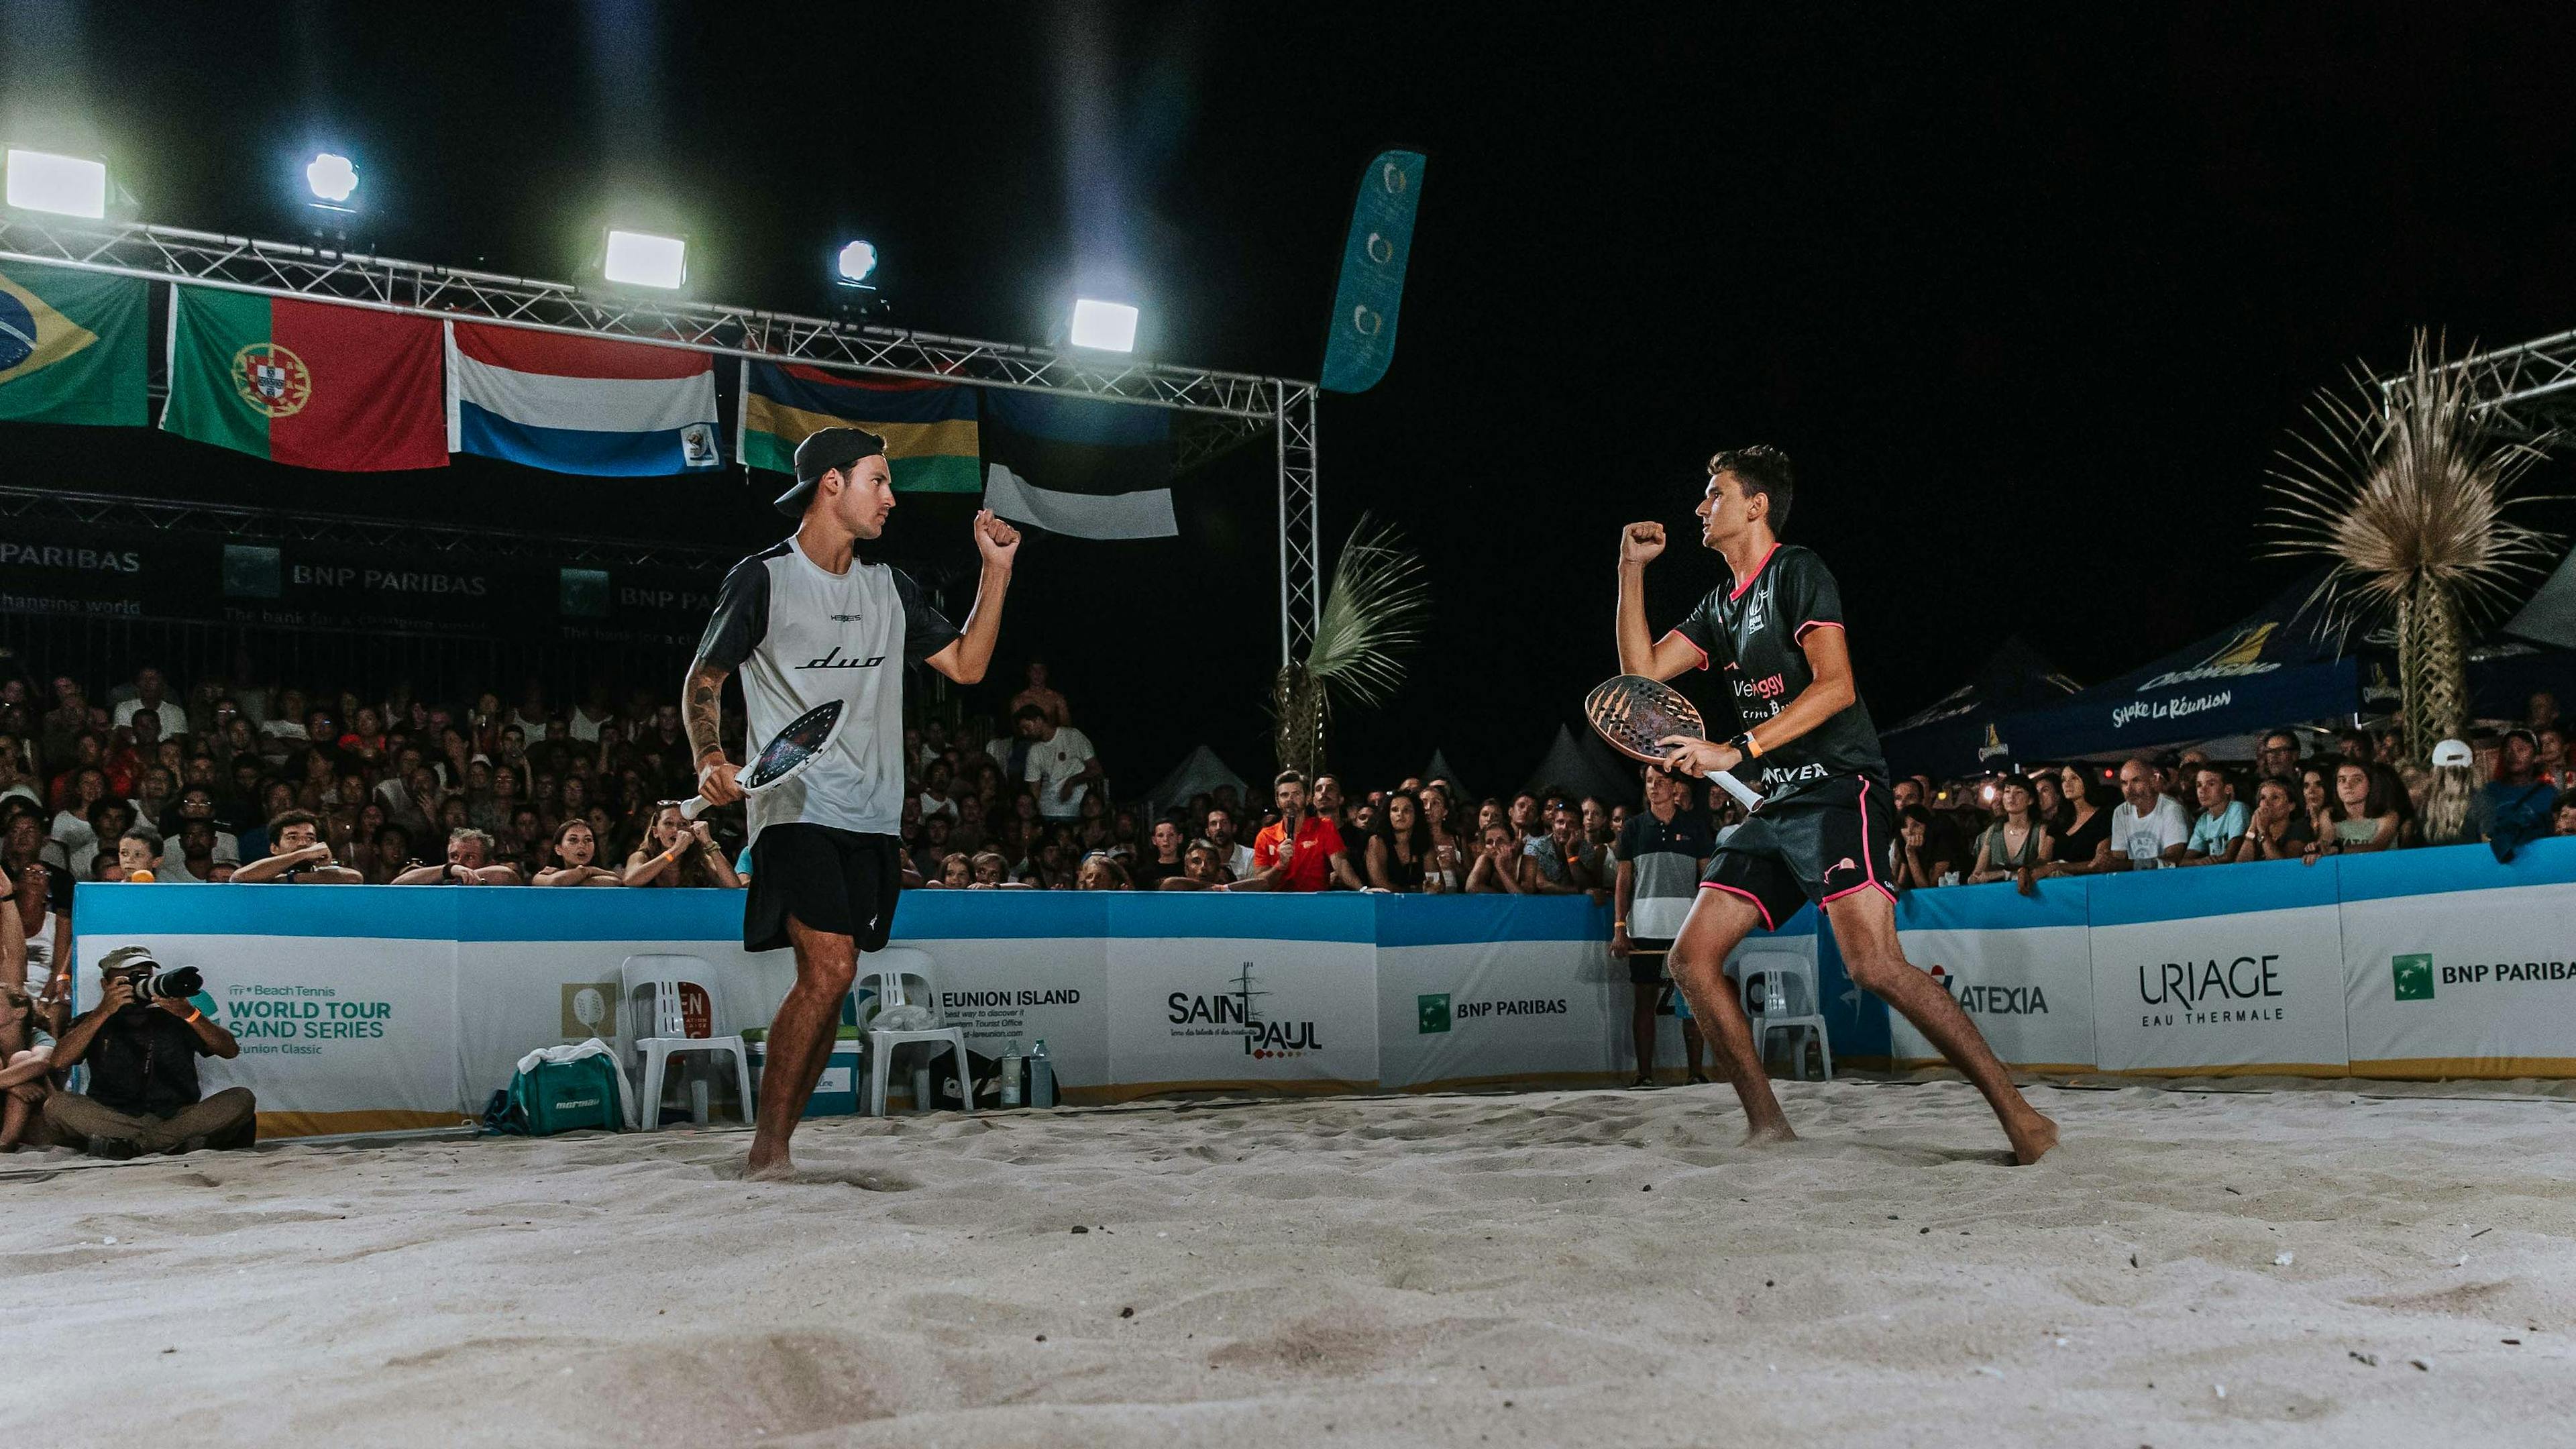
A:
x: 1026, y: 990
x: 1490, y: 1011
x: 2476, y: 983
x: 1241, y: 1011
x: 2219, y: 969
x: 2020, y: 966
x: 336, y: 1034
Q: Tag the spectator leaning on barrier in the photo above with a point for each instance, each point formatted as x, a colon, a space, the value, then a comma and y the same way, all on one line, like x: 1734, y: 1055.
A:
x: 2147, y: 827
x: 1556, y: 858
x: 142, y: 1057
x: 2277, y: 829
x: 2454, y: 810
x: 575, y: 850
x: 2364, y: 820
x: 298, y: 855
x: 469, y: 862
x: 2080, y: 842
x: 2516, y: 806
x: 1222, y: 833
x: 2218, y: 836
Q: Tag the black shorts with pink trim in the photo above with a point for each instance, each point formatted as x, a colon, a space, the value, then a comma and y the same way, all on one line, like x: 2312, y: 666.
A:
x: 1820, y: 844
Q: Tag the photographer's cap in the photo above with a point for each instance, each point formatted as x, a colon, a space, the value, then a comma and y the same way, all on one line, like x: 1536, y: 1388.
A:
x: 823, y: 450
x: 126, y: 958
x: 2452, y: 752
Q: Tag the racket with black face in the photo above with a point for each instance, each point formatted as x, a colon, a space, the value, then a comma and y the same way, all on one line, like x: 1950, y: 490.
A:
x: 795, y: 747
x: 1636, y: 715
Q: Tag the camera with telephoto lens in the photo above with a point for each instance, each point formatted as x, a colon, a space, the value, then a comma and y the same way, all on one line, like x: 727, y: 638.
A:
x: 152, y: 979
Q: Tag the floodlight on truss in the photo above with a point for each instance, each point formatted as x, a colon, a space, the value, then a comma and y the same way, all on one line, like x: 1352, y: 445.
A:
x: 1104, y: 326
x: 645, y: 259
x: 855, y: 263
x: 63, y: 185
x: 333, y: 180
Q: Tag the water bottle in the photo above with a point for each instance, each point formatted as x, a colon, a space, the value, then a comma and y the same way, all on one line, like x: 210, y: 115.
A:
x: 921, y: 1087
x: 1041, y: 1076
x: 1011, y: 1075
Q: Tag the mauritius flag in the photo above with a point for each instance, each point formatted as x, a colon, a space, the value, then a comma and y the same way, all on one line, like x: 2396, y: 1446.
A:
x: 314, y: 384
x: 933, y: 443
x: 71, y: 347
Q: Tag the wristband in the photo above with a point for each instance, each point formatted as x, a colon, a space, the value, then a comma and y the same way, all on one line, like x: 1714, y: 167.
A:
x: 1747, y: 746
x: 195, y: 1016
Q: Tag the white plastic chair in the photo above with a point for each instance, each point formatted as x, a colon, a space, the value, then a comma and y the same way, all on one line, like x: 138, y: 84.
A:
x: 1790, y: 1000
x: 900, y: 976
x: 651, y: 987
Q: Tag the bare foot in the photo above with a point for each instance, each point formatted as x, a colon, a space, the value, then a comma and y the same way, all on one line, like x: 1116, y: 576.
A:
x: 1765, y: 1136
x: 768, y: 1164
x: 2031, y: 1138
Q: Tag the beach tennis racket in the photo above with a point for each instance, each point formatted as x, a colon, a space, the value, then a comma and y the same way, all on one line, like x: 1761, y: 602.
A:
x: 795, y: 747
x: 1636, y: 715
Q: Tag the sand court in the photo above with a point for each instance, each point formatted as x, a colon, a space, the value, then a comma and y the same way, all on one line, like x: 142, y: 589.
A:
x: 1595, y: 1268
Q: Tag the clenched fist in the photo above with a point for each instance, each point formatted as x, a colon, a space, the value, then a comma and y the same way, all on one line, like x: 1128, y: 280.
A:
x: 1640, y: 543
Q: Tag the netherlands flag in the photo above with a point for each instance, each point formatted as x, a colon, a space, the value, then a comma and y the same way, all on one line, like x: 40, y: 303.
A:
x: 579, y: 404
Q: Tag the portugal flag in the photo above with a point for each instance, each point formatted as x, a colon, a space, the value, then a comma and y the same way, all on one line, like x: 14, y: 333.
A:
x: 309, y: 383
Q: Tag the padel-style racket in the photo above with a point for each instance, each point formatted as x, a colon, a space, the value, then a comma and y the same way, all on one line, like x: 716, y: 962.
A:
x: 1636, y: 714
x: 795, y: 747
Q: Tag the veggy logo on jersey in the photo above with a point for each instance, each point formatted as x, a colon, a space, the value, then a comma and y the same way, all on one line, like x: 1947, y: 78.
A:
x: 2412, y: 976
x: 1238, y: 1013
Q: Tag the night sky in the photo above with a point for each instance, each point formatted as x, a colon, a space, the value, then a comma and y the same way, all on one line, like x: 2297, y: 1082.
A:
x: 2030, y: 307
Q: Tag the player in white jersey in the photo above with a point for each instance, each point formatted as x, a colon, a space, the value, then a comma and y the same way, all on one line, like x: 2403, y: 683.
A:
x: 807, y: 622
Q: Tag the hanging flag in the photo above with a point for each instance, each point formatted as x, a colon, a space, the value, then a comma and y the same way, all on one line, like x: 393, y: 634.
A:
x: 1361, y: 341
x: 71, y: 347
x: 1079, y: 467
x: 932, y: 442
x: 580, y: 404
x: 314, y: 384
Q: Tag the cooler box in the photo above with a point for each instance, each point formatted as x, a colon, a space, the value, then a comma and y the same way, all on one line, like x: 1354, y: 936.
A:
x: 836, y: 1092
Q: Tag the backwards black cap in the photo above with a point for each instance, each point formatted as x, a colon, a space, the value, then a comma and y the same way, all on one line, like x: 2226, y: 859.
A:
x: 822, y: 451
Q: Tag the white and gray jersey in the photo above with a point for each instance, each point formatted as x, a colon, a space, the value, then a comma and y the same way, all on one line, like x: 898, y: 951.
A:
x: 799, y: 636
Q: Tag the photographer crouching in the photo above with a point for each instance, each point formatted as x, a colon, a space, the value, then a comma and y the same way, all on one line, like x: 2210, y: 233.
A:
x: 142, y: 1042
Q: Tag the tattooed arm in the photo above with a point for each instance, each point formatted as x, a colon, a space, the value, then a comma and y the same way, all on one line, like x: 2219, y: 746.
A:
x: 701, y: 705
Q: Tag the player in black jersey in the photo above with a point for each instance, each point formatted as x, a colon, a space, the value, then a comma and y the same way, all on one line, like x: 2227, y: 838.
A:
x: 1826, y: 831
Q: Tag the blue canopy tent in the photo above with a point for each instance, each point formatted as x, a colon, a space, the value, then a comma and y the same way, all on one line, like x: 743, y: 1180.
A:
x: 2277, y: 666
x: 1955, y: 735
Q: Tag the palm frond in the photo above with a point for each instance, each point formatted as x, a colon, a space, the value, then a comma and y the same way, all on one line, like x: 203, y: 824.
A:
x: 1374, y: 613
x: 2405, y: 485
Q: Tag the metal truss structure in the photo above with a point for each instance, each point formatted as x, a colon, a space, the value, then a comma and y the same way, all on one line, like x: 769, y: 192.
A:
x: 1237, y: 404
x: 271, y: 525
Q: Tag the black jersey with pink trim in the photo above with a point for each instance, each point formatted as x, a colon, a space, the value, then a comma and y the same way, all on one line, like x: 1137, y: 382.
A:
x: 1753, y: 632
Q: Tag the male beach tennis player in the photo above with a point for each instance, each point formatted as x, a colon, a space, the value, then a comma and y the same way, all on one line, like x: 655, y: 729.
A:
x: 807, y: 622
x: 1826, y: 831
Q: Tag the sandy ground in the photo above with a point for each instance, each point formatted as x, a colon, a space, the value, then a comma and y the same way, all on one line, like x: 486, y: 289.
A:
x: 1580, y: 1268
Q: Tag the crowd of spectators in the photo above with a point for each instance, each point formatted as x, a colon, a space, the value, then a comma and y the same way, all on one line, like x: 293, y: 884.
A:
x: 2355, y: 792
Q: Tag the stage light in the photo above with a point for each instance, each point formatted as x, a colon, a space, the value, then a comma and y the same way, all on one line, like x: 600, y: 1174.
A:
x: 642, y: 259
x: 1104, y: 326
x: 333, y: 179
x: 856, y: 263
x: 64, y: 185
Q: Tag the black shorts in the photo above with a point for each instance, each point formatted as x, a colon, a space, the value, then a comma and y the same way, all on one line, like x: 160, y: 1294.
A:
x: 1646, y: 960
x: 1820, y: 844
x: 839, y: 882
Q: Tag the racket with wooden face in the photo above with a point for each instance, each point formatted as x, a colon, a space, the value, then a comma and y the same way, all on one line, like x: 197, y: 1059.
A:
x: 795, y: 747
x: 1636, y: 715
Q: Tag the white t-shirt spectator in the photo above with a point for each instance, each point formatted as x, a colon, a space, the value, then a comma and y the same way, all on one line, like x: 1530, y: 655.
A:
x: 284, y: 729
x: 1054, y: 762
x: 2147, y: 839
x: 584, y: 727
x: 531, y: 730
x: 174, y: 720
x: 932, y: 804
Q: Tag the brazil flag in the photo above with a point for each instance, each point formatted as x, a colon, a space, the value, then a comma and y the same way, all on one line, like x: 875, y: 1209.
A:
x: 71, y: 347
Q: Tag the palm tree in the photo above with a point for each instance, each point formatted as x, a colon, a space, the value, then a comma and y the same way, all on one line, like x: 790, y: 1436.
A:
x: 2405, y: 487
x: 1373, y: 614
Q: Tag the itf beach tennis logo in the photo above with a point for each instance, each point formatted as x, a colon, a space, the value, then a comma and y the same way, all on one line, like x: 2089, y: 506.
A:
x: 272, y: 379
x: 2412, y: 976
x: 1237, y: 1012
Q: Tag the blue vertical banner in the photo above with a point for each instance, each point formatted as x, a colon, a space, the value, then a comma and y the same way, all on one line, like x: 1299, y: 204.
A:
x: 1361, y: 340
